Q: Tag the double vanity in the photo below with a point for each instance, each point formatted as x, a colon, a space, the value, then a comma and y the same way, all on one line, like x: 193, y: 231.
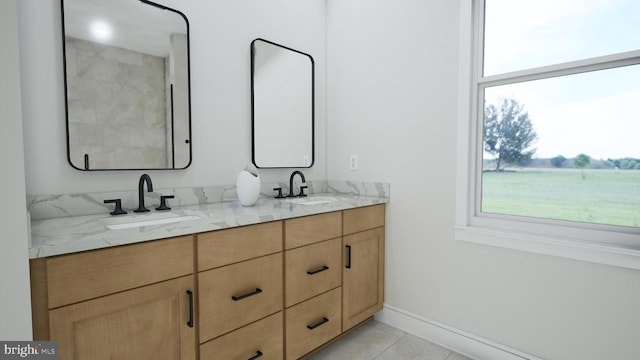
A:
x: 273, y: 281
x: 196, y: 278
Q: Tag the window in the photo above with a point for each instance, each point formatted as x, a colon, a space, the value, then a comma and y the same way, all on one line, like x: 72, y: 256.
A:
x: 549, y: 133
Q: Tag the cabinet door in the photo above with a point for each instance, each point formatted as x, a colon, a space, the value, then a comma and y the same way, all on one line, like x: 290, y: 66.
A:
x: 145, y: 323
x: 363, y: 276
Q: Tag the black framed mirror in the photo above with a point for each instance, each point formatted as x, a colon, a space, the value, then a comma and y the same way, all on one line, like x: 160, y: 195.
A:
x: 282, y: 106
x: 127, y: 85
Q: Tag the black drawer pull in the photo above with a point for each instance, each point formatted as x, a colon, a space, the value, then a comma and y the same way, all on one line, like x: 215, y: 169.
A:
x: 257, y: 355
x: 240, y: 297
x: 323, y: 321
x: 190, y: 295
x: 313, y: 272
x: 348, y: 265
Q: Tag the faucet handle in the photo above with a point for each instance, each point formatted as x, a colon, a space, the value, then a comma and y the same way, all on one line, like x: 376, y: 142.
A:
x: 279, y: 190
x: 163, y: 202
x: 302, y: 187
x: 118, y: 210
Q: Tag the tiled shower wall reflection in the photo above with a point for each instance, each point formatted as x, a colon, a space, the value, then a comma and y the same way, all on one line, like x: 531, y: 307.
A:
x: 116, y: 100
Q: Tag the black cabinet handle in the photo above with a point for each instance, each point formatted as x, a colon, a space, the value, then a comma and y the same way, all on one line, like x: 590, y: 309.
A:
x: 190, y: 295
x: 319, y: 270
x: 240, y: 297
x: 348, y: 265
x: 257, y: 355
x: 321, y: 322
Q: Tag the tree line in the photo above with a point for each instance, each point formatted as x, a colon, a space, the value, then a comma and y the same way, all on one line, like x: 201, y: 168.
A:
x: 627, y: 163
x: 509, y: 134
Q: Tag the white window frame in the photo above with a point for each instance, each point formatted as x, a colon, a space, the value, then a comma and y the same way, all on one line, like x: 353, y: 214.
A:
x: 604, y: 244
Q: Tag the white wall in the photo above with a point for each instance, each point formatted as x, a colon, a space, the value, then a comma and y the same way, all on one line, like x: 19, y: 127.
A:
x: 221, y: 32
x: 392, y: 87
x: 15, y: 309
x: 392, y: 101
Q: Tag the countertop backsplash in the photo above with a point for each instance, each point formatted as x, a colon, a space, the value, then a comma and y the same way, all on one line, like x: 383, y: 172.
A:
x: 78, y: 204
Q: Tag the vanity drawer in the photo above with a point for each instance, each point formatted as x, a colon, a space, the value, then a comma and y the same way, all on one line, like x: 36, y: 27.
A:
x: 262, y: 337
x: 313, y: 323
x: 364, y: 218
x: 77, y: 277
x: 235, y: 295
x: 311, y: 229
x: 311, y: 270
x: 223, y: 247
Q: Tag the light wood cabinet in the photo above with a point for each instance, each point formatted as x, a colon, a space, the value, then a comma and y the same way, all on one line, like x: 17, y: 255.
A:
x: 313, y: 279
x: 363, y: 276
x: 134, y: 301
x: 363, y: 271
x: 276, y: 290
x: 313, y: 323
x: 224, y: 247
x: 236, y: 295
x: 261, y: 340
x: 312, y: 270
x: 361, y: 219
x: 77, y: 277
x: 311, y: 229
x: 145, y: 323
x: 241, y: 292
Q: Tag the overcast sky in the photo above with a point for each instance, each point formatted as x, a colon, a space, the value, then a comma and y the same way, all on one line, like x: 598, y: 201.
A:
x: 593, y: 113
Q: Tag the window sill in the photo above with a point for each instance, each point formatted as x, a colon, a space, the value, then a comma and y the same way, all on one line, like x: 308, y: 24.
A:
x: 554, y: 246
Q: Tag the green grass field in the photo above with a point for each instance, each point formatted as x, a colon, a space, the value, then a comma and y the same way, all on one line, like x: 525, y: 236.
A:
x: 604, y: 196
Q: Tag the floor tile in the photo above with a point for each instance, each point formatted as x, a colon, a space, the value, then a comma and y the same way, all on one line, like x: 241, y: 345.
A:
x: 456, y: 356
x: 413, y: 348
x: 363, y: 344
x: 388, y: 329
x: 378, y: 341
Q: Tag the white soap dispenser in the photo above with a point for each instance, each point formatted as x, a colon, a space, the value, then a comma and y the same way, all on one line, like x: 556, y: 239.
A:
x: 248, y: 186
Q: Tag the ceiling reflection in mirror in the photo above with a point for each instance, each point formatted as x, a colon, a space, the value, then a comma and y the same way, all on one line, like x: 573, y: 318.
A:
x: 282, y: 99
x: 127, y: 85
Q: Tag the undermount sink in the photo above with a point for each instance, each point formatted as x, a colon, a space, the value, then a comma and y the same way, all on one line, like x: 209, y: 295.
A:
x: 133, y: 221
x: 312, y: 200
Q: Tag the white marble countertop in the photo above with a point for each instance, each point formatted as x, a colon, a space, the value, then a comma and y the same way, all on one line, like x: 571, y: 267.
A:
x: 72, y: 234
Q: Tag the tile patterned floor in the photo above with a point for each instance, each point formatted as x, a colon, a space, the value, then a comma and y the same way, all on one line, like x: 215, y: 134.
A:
x: 377, y: 341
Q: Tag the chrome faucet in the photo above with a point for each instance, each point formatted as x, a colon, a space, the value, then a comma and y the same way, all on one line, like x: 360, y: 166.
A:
x: 302, y: 187
x: 144, y: 178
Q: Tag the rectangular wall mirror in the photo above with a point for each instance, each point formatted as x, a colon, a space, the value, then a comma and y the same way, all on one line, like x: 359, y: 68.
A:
x: 127, y: 87
x: 282, y: 106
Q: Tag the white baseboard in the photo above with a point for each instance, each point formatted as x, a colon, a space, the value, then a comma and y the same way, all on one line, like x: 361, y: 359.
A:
x: 451, y: 338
